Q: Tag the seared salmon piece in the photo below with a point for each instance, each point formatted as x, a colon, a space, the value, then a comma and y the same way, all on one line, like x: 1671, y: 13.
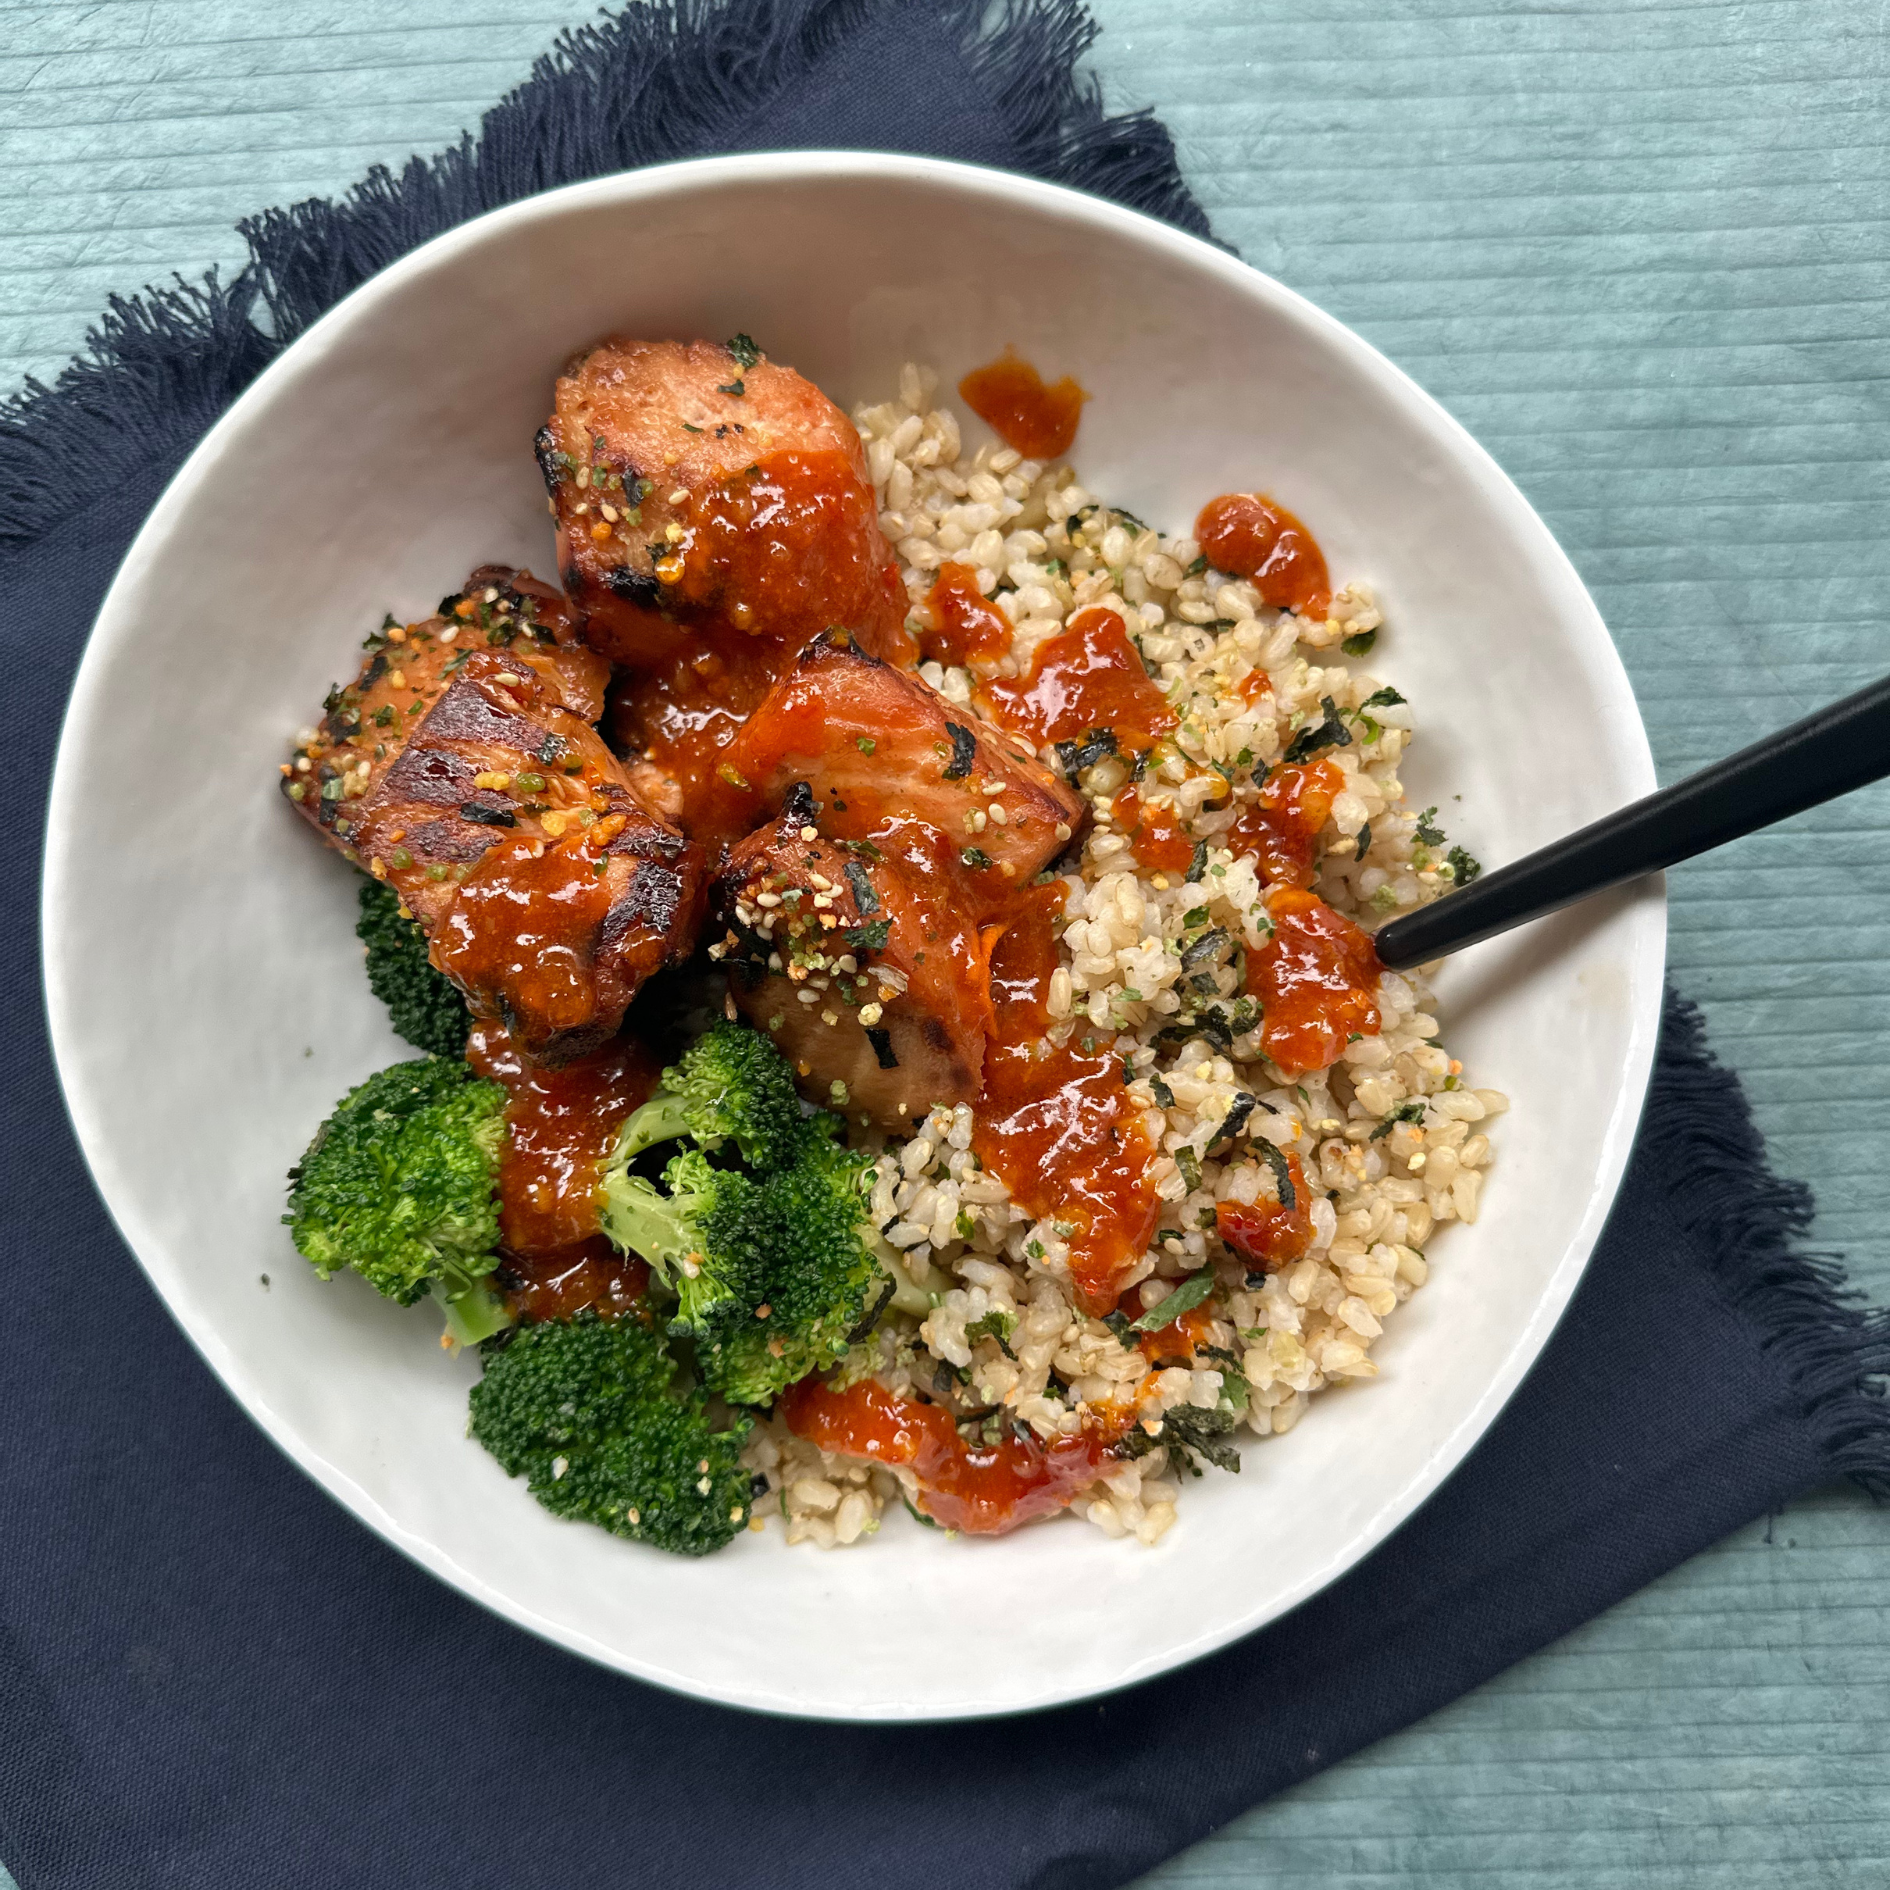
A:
x: 890, y: 761
x: 876, y: 987
x: 714, y: 513
x: 698, y: 483
x: 461, y: 767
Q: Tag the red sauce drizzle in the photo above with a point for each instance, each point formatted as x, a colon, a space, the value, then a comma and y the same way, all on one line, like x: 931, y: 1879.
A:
x: 1086, y: 676
x: 785, y: 547
x: 982, y: 1489
x: 684, y: 714
x: 1315, y: 980
x: 1010, y: 397
x: 1268, y: 1235
x: 1056, y: 1126
x: 528, y: 926
x: 1180, y: 1338
x: 768, y: 559
x: 560, y: 1283
x: 1247, y: 534
x: 1156, y: 837
x: 1279, y: 829
x: 559, y: 1127
x: 965, y: 624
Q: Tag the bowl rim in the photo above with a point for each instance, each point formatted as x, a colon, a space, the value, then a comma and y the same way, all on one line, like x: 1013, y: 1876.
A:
x: 112, y: 628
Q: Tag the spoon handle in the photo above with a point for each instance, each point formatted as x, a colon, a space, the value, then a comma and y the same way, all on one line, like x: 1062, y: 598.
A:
x: 1839, y: 748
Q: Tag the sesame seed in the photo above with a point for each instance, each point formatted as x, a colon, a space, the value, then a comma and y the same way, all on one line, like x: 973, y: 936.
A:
x: 449, y: 633
x: 999, y: 815
x: 679, y: 495
x: 1063, y: 830
x: 871, y: 1013
x: 811, y: 833
x: 767, y: 899
x: 610, y: 512
x: 506, y: 677
x: 302, y: 764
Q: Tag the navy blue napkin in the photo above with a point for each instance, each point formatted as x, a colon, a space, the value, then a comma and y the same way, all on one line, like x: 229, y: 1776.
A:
x: 212, y: 1678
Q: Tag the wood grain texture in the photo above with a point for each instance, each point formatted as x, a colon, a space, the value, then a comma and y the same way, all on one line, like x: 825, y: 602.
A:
x: 1643, y: 251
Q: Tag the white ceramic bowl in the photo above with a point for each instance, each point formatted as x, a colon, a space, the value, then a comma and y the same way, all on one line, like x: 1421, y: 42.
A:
x: 205, y: 990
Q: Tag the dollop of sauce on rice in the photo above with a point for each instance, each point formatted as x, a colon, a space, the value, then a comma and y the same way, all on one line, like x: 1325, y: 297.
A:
x: 1282, y: 827
x: 1315, y: 979
x: 1056, y: 1126
x: 964, y: 622
x: 1155, y: 834
x: 1248, y: 534
x: 980, y: 1488
x: 1087, y: 676
x: 1012, y: 399
x: 1269, y: 1235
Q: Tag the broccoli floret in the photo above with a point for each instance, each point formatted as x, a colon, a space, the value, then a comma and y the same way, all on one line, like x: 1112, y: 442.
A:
x: 708, y: 1237
x: 822, y: 1282
x: 398, y: 1185
x: 731, y: 1084
x: 423, y: 1005
x: 772, y: 1274
x: 593, y: 1415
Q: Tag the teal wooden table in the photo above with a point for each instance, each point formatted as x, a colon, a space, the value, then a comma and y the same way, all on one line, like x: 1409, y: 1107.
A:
x: 1643, y: 251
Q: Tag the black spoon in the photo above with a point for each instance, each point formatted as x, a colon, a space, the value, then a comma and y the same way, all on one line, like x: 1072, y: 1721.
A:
x: 1842, y: 747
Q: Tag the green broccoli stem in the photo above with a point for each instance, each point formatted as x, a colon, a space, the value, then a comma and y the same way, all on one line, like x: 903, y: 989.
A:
x: 642, y: 1221
x: 475, y: 1313
x: 662, y: 1119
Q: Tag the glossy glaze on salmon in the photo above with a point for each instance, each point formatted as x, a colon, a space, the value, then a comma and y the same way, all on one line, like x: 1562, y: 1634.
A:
x: 908, y: 831
x: 714, y: 513
x: 461, y: 767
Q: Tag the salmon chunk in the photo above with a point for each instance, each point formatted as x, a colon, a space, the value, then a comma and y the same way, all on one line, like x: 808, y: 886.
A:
x: 889, y: 760
x: 714, y: 513
x: 858, y: 923
x: 697, y: 484
x: 871, y: 984
x: 461, y: 767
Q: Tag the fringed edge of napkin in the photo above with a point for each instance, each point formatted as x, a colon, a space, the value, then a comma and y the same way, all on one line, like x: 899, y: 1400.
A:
x: 1833, y: 1351
x: 655, y: 82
